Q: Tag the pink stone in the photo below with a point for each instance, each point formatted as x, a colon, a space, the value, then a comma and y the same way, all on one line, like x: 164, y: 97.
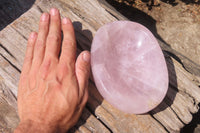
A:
x: 128, y: 66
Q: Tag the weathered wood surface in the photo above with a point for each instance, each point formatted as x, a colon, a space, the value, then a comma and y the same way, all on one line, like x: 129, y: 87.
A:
x: 171, y: 115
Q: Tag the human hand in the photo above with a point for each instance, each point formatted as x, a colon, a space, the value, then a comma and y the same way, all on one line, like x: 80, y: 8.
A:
x: 52, y: 90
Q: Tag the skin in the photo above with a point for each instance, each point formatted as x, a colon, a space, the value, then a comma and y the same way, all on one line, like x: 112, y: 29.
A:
x: 52, y: 89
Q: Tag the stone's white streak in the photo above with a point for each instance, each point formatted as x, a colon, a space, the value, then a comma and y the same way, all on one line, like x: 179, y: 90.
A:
x: 128, y: 66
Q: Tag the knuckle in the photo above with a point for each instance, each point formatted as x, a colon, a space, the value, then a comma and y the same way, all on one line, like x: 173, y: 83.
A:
x: 43, y: 25
x: 54, y: 38
x: 39, y: 44
x: 46, y: 64
x: 30, y: 43
x: 62, y: 72
x: 67, y: 43
x: 43, y: 28
x: 84, y: 69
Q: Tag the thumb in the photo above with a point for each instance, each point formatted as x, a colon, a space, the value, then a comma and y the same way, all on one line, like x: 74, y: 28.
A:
x: 82, y: 69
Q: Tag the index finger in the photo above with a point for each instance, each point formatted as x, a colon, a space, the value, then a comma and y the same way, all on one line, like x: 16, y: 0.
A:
x: 68, y: 50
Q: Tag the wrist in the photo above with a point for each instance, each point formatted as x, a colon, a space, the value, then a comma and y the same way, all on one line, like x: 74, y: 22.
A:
x: 31, y: 126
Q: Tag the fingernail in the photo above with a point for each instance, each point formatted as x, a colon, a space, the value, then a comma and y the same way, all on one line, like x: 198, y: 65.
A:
x: 66, y: 20
x: 54, y: 11
x: 86, y: 57
x: 44, y: 17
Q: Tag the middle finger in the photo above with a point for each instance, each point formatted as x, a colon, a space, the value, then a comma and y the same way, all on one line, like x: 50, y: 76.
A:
x: 54, y: 36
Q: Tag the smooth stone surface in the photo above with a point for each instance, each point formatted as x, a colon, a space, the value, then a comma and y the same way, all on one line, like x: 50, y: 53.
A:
x: 128, y: 66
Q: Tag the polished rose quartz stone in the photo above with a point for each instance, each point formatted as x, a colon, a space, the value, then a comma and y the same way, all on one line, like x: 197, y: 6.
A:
x: 128, y: 66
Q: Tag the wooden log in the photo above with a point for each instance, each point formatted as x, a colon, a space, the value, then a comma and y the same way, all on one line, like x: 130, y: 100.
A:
x: 171, y: 115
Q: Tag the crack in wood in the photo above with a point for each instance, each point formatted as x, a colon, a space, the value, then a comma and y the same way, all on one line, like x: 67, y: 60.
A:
x: 5, y: 92
x: 4, y: 48
x: 159, y: 123
x: 189, y: 95
x: 176, y: 115
x: 39, y: 9
x: 112, y: 14
x: 91, y: 111
x: 10, y: 63
x: 76, y: 12
x: 19, y: 32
